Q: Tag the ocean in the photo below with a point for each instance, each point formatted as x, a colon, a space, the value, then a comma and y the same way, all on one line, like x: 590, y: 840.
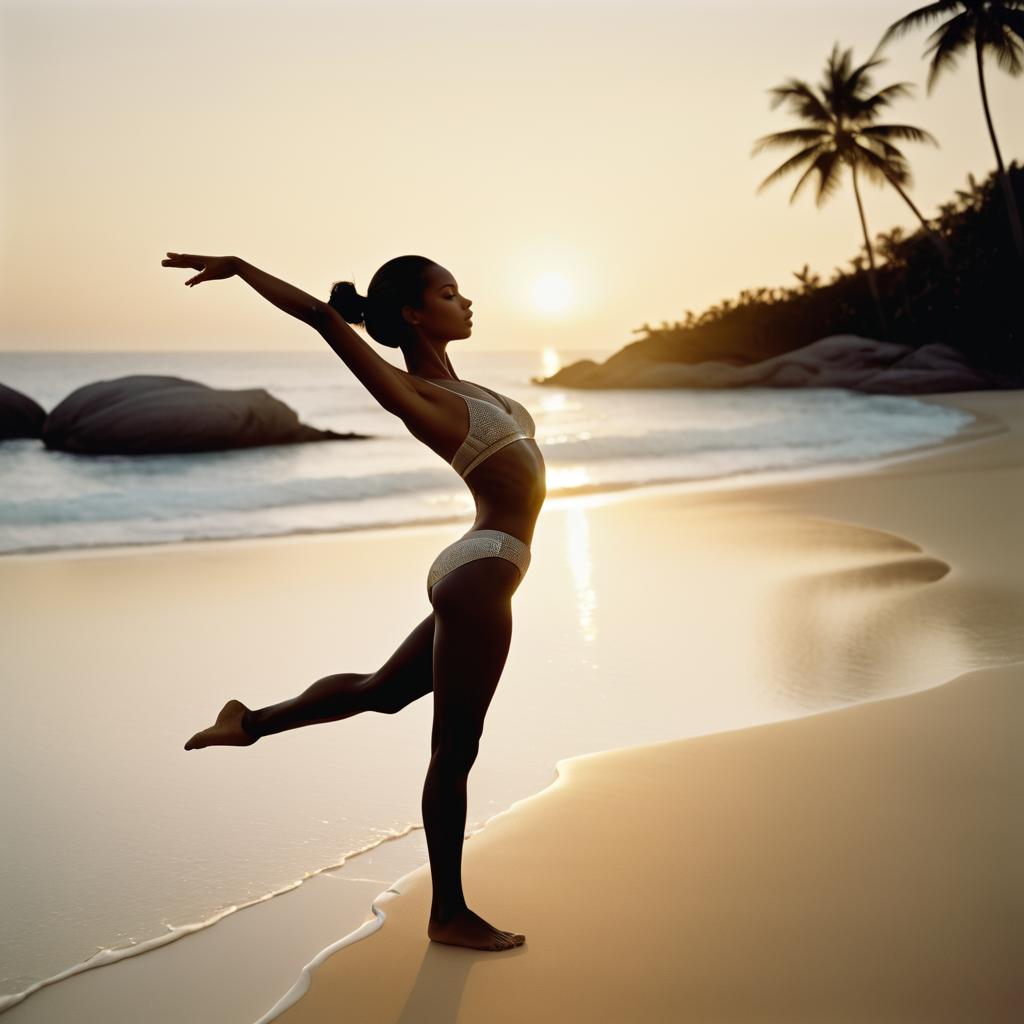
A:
x: 115, y: 839
x: 592, y: 441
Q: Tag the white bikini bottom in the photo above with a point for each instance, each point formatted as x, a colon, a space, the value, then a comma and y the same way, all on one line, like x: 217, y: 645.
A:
x: 479, y: 544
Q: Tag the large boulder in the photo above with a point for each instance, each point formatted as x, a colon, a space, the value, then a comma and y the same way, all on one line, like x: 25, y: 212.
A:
x: 143, y: 415
x: 20, y: 416
x: 927, y: 369
x: 839, y: 361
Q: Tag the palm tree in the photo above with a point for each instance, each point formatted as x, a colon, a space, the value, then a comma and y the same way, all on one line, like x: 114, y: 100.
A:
x: 841, y: 131
x: 807, y: 278
x: 993, y: 25
x: 973, y: 197
x: 889, y: 242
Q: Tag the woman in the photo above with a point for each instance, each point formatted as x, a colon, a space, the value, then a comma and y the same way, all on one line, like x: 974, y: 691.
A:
x: 459, y: 650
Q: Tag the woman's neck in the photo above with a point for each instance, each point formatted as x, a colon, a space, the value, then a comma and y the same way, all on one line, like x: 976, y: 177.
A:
x: 431, y: 369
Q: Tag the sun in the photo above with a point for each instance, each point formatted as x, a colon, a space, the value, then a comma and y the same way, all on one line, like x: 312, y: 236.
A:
x: 551, y: 293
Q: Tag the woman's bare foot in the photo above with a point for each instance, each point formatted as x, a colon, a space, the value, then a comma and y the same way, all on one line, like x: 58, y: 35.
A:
x: 226, y: 731
x: 468, y: 929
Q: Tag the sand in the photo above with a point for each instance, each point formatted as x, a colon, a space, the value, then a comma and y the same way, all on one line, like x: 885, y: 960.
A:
x: 859, y: 865
x: 863, y: 864
x: 855, y: 865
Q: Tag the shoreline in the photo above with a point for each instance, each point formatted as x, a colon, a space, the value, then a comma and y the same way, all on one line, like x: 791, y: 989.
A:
x: 982, y: 427
x: 382, y: 981
x: 982, y: 430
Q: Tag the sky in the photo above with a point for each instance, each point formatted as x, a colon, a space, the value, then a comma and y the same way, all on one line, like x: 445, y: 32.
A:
x: 603, y: 148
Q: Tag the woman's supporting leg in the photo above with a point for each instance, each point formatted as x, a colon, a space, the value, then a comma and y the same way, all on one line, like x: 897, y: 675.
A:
x: 472, y: 634
x: 406, y: 676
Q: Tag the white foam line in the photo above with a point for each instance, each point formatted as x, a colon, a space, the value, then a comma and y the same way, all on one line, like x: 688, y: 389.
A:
x: 111, y: 955
x: 301, y: 986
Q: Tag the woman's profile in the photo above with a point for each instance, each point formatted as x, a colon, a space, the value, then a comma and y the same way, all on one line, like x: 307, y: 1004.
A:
x: 457, y: 652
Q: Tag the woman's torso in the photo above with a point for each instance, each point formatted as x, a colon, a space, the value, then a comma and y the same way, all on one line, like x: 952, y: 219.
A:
x: 507, y: 484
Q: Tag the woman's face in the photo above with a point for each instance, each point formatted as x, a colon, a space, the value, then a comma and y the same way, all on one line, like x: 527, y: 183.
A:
x: 445, y: 312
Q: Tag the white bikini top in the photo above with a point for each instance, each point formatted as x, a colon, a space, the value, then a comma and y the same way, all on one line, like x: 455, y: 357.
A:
x: 490, y: 427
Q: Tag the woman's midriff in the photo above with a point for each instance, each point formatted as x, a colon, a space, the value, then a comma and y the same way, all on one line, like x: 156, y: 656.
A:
x: 509, y: 490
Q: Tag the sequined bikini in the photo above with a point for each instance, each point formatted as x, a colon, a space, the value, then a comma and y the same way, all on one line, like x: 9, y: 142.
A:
x: 490, y: 429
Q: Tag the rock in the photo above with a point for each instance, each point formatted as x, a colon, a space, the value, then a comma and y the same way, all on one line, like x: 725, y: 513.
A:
x: 576, y: 375
x: 143, y: 414
x: 931, y: 368
x: 839, y: 361
x: 20, y: 416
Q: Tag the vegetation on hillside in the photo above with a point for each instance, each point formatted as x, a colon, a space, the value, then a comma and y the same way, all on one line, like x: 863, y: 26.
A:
x: 974, y: 304
x: 957, y: 279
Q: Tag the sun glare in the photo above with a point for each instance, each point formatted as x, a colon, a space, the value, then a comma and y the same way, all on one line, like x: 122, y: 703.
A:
x: 550, y: 361
x: 552, y: 293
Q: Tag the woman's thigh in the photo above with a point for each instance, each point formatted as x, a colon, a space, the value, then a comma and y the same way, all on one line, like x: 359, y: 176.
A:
x: 472, y: 636
x: 408, y: 674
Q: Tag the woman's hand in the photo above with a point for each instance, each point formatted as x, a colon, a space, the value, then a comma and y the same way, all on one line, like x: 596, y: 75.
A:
x: 213, y: 268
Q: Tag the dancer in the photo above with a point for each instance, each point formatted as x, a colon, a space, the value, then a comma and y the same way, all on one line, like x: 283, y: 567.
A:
x: 457, y: 652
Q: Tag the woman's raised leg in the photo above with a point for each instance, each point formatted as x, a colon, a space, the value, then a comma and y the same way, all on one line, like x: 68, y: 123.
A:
x: 472, y: 634
x: 406, y: 676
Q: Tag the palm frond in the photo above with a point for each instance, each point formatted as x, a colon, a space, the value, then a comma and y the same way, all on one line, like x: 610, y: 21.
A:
x: 888, y: 152
x: 800, y: 184
x: 858, y: 80
x: 917, y: 19
x: 829, y: 166
x: 1008, y: 51
x: 802, y: 99
x: 871, y: 105
x: 1014, y: 21
x: 880, y: 169
x: 786, y: 138
x: 899, y: 131
x: 948, y: 42
x: 789, y: 165
x: 837, y: 91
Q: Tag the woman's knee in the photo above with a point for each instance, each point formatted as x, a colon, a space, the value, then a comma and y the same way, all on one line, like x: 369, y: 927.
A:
x: 456, y: 748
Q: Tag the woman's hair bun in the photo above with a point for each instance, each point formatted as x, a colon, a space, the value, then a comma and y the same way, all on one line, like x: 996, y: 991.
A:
x: 398, y: 283
x: 348, y: 302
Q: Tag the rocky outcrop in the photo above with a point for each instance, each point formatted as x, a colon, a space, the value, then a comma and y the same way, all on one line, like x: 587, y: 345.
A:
x: 20, y: 416
x: 840, y: 361
x: 142, y: 415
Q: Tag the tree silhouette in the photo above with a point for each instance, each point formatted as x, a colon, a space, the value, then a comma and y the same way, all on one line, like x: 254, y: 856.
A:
x: 995, y: 26
x: 974, y: 195
x: 807, y: 278
x: 841, y: 131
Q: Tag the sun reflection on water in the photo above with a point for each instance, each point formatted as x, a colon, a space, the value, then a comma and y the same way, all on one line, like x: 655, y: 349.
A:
x: 563, y: 477
x: 551, y: 363
x: 581, y: 569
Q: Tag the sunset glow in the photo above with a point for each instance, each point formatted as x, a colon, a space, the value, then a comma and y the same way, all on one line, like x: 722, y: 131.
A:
x: 552, y: 293
x: 610, y: 186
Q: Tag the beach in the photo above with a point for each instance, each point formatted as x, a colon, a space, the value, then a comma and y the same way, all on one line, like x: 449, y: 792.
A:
x: 846, y: 846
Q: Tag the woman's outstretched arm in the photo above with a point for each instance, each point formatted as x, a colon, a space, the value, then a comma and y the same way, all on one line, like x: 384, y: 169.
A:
x: 292, y: 300
x: 390, y: 386
x: 282, y: 294
x: 387, y: 384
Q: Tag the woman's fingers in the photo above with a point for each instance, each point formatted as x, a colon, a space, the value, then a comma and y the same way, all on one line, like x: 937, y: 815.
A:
x: 211, y: 268
x: 193, y: 261
x: 180, y: 259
